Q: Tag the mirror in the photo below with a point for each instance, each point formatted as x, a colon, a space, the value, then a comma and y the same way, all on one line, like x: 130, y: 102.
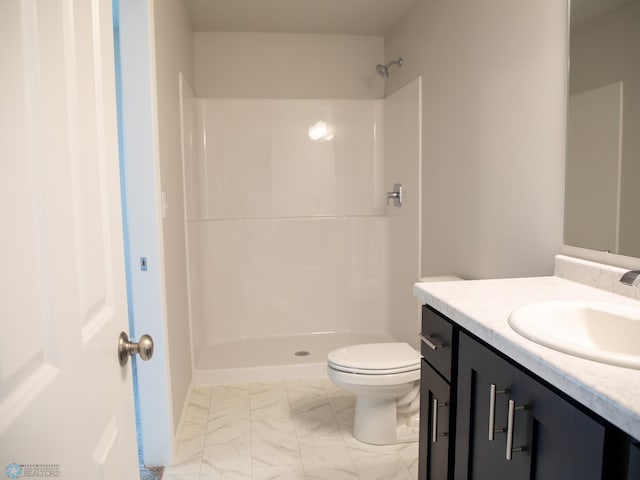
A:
x: 602, y: 196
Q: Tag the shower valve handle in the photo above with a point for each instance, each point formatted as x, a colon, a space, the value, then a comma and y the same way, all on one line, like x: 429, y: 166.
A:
x: 397, y: 195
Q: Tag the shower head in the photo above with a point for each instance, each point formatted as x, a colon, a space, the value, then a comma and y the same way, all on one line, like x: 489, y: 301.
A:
x: 383, y: 70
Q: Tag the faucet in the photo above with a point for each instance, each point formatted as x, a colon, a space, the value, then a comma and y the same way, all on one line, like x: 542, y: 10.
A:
x: 631, y: 278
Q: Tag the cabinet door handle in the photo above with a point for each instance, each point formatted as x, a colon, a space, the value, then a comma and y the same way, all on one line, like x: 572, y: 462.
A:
x: 492, y: 410
x: 434, y: 420
x: 428, y: 341
x: 510, y: 422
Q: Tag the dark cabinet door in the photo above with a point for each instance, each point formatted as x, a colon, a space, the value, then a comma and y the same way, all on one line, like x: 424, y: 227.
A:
x: 536, y: 433
x: 486, y: 383
x: 435, y: 416
x: 565, y: 442
x: 634, y: 462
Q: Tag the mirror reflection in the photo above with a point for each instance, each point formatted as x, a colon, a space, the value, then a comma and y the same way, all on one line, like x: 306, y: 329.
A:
x: 603, y: 161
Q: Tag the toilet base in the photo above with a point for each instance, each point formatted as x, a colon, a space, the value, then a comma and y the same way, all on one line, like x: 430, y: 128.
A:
x: 376, y: 422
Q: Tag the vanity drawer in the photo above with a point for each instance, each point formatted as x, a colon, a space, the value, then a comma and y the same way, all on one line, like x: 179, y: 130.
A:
x: 436, y: 341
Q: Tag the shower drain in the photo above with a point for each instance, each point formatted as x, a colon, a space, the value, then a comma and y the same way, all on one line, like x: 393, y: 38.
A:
x: 301, y: 353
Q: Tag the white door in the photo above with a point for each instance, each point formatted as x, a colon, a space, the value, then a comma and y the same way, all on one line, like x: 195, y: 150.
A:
x: 66, y: 405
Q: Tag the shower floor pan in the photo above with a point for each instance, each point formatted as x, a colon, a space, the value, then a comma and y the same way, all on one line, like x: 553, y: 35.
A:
x: 274, y: 358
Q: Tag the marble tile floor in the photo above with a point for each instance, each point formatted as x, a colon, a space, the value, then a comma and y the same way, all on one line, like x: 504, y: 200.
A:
x: 290, y: 430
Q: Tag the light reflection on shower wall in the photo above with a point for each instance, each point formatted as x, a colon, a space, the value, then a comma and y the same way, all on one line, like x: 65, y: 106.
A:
x: 293, y: 237
x: 190, y: 132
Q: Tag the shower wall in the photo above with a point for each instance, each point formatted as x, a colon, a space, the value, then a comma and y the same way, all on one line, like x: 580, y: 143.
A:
x: 190, y: 134
x: 403, y: 148
x: 293, y: 237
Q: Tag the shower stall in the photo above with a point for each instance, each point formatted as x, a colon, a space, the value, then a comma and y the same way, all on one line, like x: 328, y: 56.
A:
x: 293, y: 249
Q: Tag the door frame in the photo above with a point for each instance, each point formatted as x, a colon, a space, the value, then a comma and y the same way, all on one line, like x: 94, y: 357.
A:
x: 142, y: 219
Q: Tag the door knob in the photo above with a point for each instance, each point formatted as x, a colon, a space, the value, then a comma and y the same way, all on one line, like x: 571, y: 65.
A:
x: 144, y: 348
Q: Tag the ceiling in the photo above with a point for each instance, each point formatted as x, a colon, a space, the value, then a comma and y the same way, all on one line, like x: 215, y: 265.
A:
x: 338, y: 17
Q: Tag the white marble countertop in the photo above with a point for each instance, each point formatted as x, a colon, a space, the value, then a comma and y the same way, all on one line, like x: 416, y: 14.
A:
x: 483, y: 306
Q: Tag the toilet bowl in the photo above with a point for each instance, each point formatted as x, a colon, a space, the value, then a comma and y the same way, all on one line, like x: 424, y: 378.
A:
x: 385, y: 377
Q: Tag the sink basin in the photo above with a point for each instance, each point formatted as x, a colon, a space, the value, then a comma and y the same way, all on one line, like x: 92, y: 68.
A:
x: 607, y: 333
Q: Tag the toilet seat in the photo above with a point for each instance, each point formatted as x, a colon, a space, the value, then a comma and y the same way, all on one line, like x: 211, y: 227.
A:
x: 375, y: 359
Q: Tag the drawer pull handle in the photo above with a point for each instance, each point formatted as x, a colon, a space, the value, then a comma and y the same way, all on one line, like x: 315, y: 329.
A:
x: 510, y: 420
x: 428, y: 340
x: 492, y: 410
x: 434, y: 420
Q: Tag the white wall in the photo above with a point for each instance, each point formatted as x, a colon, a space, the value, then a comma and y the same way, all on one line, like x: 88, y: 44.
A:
x: 402, y: 148
x: 493, y: 125
x: 603, y: 52
x: 174, y: 55
x: 271, y: 65
x: 292, y: 235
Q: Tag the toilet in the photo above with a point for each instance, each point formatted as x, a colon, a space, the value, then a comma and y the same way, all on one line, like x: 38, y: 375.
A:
x: 386, y: 380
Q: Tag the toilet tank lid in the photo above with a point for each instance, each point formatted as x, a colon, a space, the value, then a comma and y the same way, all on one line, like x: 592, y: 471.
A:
x: 375, y: 356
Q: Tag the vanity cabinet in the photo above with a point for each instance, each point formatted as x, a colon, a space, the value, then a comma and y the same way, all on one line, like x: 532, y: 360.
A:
x: 484, y: 417
x: 437, y: 396
x: 633, y: 472
x: 435, y: 429
x: 510, y: 426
